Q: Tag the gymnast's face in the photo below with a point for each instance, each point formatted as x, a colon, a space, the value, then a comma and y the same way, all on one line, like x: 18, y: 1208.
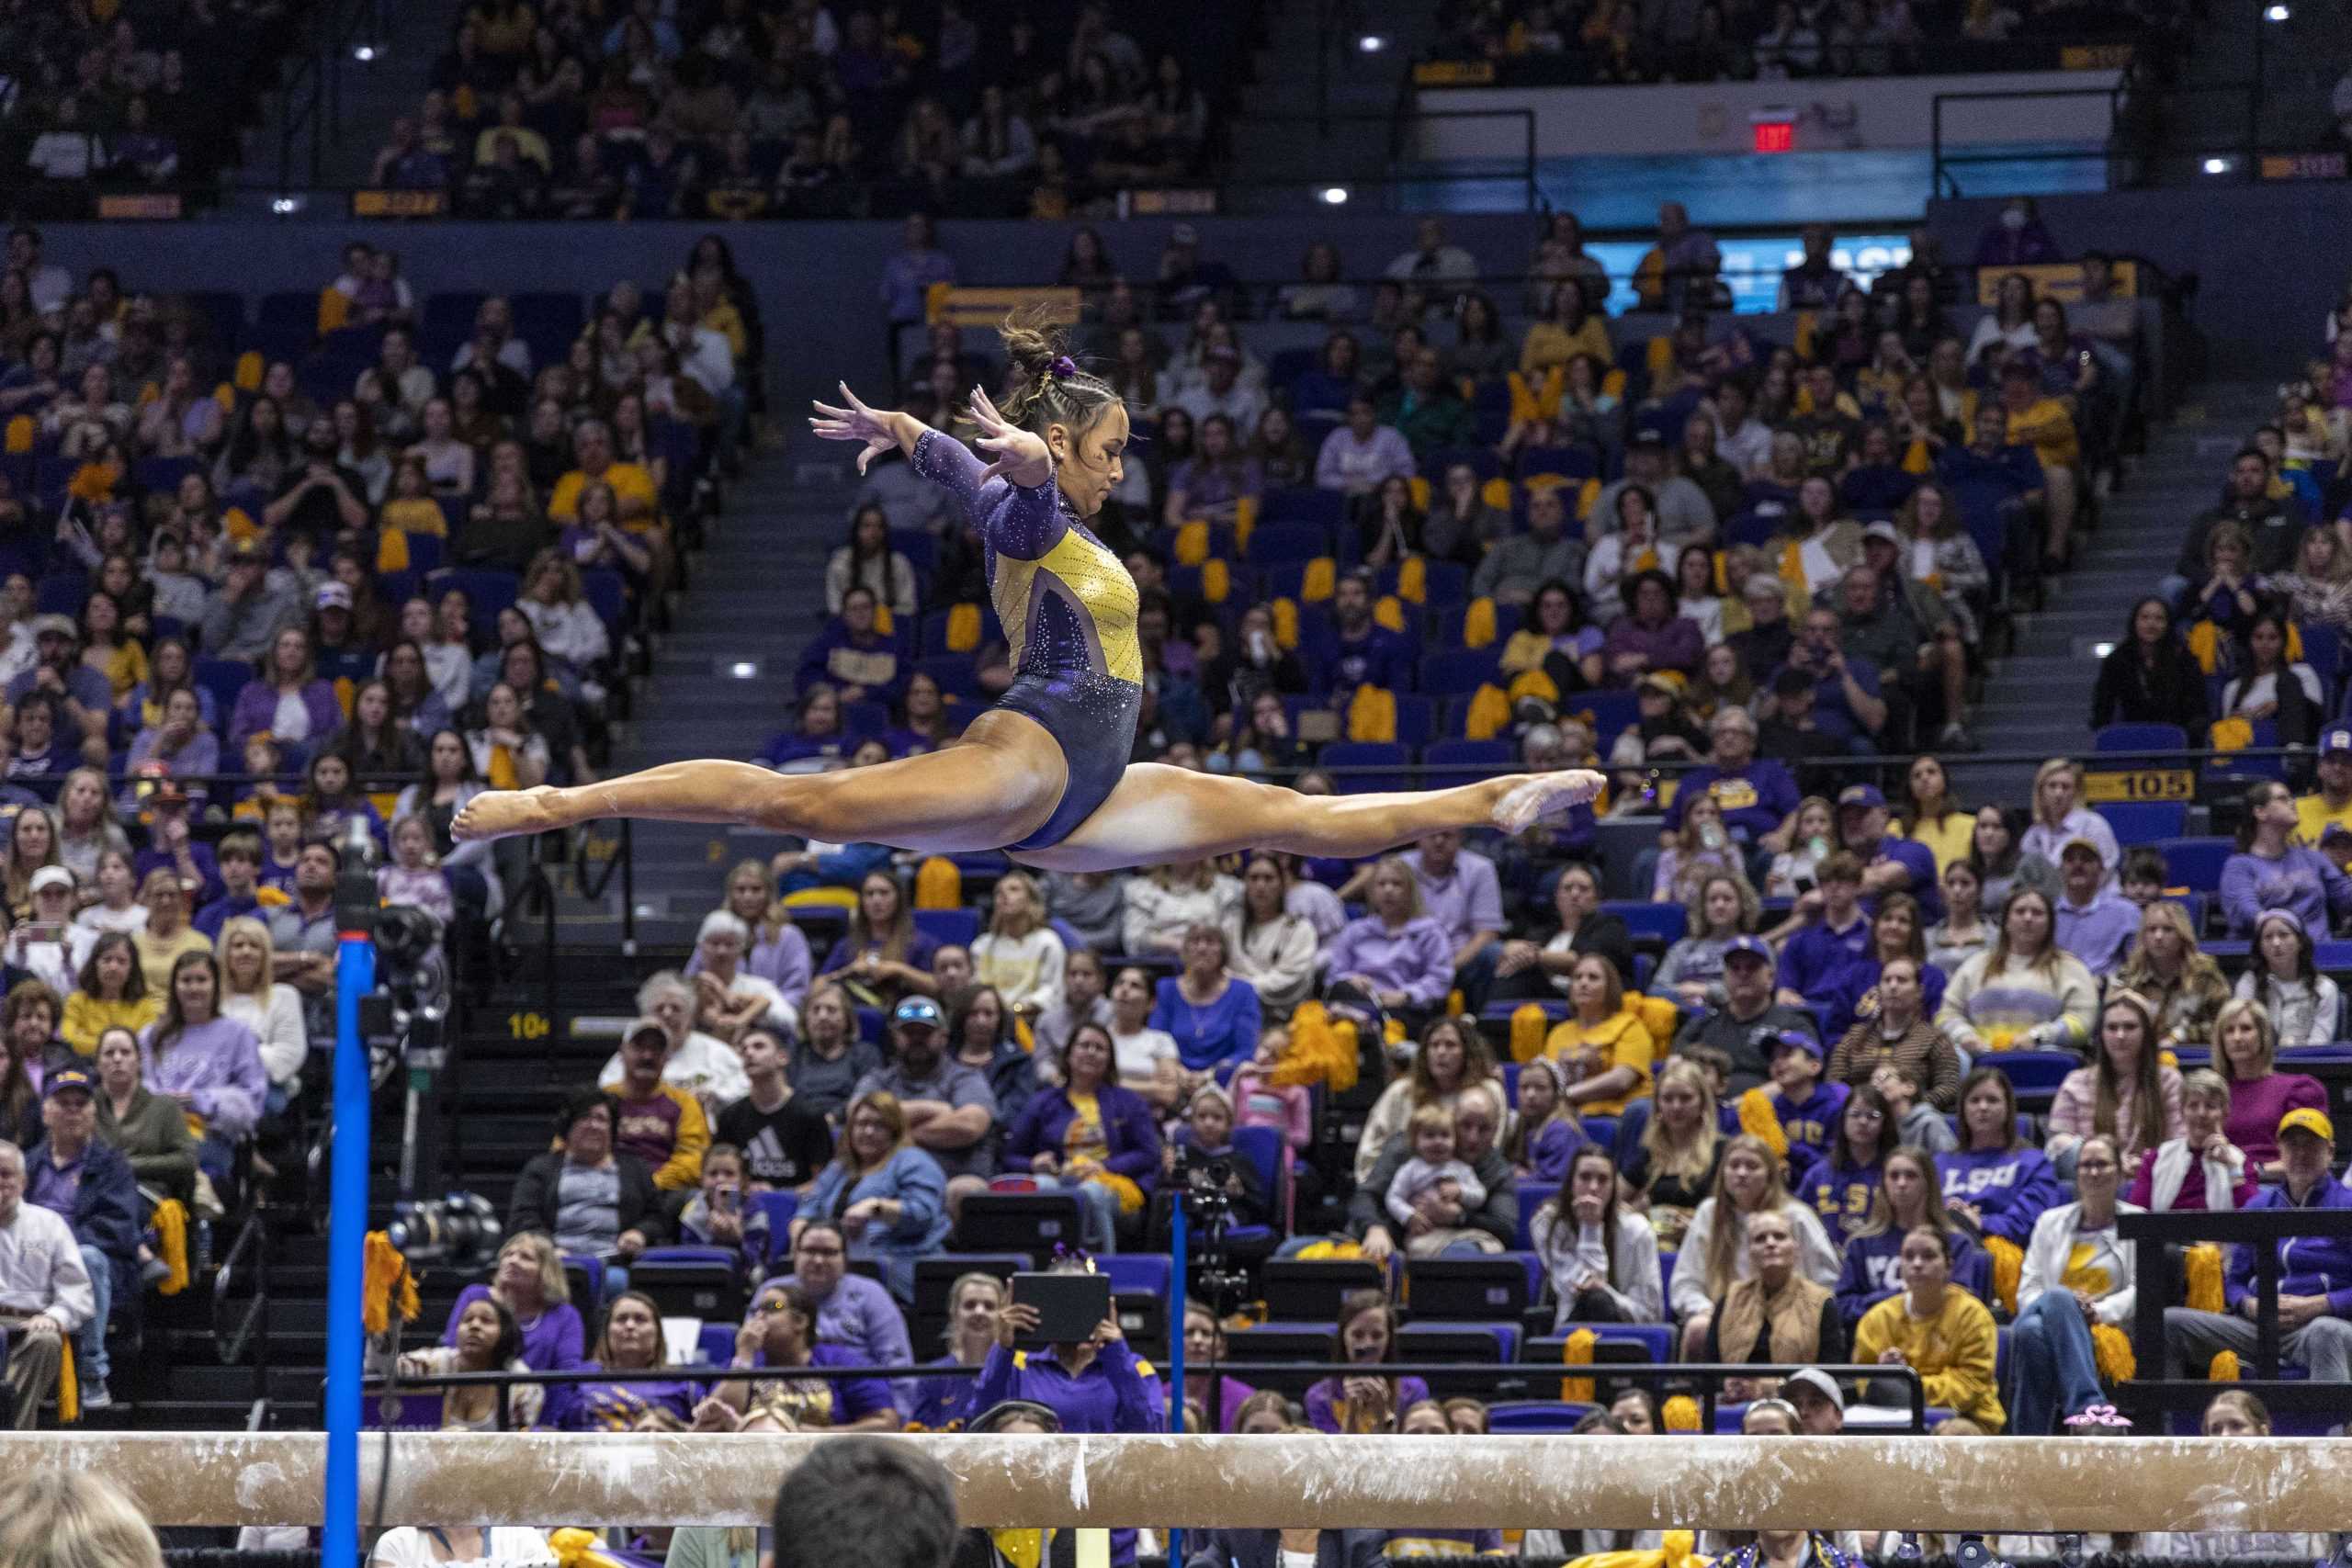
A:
x: 1088, y: 462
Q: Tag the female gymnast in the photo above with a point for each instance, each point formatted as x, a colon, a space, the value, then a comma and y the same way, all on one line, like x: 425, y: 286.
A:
x: 1045, y: 773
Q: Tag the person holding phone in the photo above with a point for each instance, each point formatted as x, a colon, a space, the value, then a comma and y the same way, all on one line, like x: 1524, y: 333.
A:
x: 1096, y: 1384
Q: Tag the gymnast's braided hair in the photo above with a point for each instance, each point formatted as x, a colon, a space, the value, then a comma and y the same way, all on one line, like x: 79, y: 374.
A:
x: 1048, y: 388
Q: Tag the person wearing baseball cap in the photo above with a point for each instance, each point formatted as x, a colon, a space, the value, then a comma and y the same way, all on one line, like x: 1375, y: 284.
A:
x: 2331, y: 804
x: 84, y: 694
x: 50, y: 945
x: 1809, y: 1110
x: 949, y: 1107
x: 658, y: 1122
x: 1891, y: 862
x: 1748, y: 1023
x: 2094, y: 921
x: 1820, y: 1402
x: 89, y: 1186
x: 2314, y: 1272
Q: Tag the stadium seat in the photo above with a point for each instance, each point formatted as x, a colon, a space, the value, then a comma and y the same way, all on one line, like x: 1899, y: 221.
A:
x: 1535, y: 1415
x: 949, y: 926
x: 1031, y: 1222
x: 1665, y: 923
x: 2143, y: 821
x: 2196, y: 863
x: 2148, y: 738
x: 1366, y: 754
x: 1452, y: 673
x: 1310, y: 1289
x: 1328, y: 509
x: 691, y: 1281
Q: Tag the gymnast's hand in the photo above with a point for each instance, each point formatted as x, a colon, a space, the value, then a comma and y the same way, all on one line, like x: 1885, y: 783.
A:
x: 1021, y: 455
x: 877, y: 428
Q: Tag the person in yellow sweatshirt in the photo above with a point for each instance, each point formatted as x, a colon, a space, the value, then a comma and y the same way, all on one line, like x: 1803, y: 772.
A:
x: 1938, y: 1329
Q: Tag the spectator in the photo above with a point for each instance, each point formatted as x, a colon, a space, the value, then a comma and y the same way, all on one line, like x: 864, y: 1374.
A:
x: 1680, y: 271
x: 1848, y: 708
x: 1773, y: 1313
x: 2127, y: 1097
x: 1721, y: 906
x: 631, y: 1342
x: 1910, y: 1196
x: 2302, y: 1004
x: 1452, y: 1058
x: 1832, y: 934
x: 47, y: 945
x: 1902, y: 1034
x: 1748, y: 1026
x: 730, y: 998
x: 2270, y: 871
x: 1091, y: 1136
x: 1147, y: 1054
x: 1995, y: 1181
x: 1841, y: 1183
x: 2025, y: 993
x: 2096, y: 923
x: 887, y: 1197
x: 1963, y: 932
x: 83, y: 697
x: 1020, y: 955
x: 911, y: 273
x: 528, y: 1282
x: 166, y: 937
x: 828, y: 1060
x: 89, y: 1186
x: 595, y: 1199
x: 1714, y: 1254
x: 852, y: 1309
x: 2273, y: 522
x: 1163, y: 905
x: 660, y: 1124
x: 2245, y: 1053
x: 1210, y: 1013
x: 1084, y: 999
x: 1937, y: 1329
x: 780, y: 1335
x: 2201, y: 1168
x: 1277, y: 954
x: 1395, y: 951
x: 950, y: 1109
x: 1364, y: 1402
x: 1601, y: 1256
x: 1362, y: 452
x: 2311, y: 1309
x: 1519, y: 568
x: 111, y: 989
x: 270, y: 1009
x: 883, y: 957
x: 46, y: 1292
x: 147, y: 1129
x: 1810, y: 1113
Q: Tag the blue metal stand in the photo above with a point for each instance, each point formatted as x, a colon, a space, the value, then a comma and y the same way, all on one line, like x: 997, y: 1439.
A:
x: 1179, y: 1247
x: 346, y: 1253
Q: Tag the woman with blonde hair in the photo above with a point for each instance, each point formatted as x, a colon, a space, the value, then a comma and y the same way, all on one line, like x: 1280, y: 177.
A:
x: 973, y: 1303
x: 554, y: 603
x: 53, y: 1520
x: 1669, y: 1170
x: 528, y: 1280
x: 888, y: 1197
x: 2181, y: 984
x: 2245, y: 1051
x: 1723, y: 906
x: 883, y: 956
x: 87, y: 827
x: 1020, y: 954
x: 1701, y: 848
x: 1171, y: 899
x: 2059, y: 815
x: 1713, y: 1255
x: 779, y: 954
x: 271, y: 1008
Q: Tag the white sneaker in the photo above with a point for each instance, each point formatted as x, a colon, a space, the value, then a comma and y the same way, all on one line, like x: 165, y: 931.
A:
x: 95, y: 1397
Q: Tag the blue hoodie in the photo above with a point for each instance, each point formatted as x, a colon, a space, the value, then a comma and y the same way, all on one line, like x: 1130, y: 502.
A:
x: 2308, y: 1265
x: 1840, y: 1194
x: 1811, y: 1124
x: 2009, y: 1187
x: 1872, y: 1271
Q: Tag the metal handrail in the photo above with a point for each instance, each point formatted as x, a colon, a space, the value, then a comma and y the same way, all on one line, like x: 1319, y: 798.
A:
x: 1712, y: 1374
x: 231, y: 1346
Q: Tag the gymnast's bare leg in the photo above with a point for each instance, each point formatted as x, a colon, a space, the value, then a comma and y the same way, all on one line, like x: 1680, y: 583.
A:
x: 1159, y: 813
x: 996, y: 787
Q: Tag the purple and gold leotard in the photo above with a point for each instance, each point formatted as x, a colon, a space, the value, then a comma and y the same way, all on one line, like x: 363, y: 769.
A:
x: 1068, y: 610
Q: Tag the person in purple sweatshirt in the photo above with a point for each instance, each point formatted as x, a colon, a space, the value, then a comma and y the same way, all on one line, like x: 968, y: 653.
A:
x: 210, y: 1064
x: 1995, y: 1179
x: 1091, y: 1136
x: 528, y: 1280
x: 1395, y: 951
x: 1097, y: 1384
x: 2314, y: 1297
x: 1809, y: 1110
x: 2271, y: 871
x: 1908, y: 1196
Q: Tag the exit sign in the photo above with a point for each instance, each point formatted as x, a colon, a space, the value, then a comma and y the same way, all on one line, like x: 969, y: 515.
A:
x: 1773, y: 135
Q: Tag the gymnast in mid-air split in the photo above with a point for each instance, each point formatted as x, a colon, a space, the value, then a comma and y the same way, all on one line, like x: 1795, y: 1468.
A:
x: 1044, y: 774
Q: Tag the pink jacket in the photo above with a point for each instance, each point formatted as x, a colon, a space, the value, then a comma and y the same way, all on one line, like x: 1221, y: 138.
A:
x: 2073, y: 1114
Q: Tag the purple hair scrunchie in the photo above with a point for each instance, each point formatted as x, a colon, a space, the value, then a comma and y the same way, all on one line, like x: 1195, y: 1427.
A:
x: 1063, y: 368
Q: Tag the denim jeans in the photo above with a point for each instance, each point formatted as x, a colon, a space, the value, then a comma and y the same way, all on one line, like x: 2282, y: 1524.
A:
x: 1098, y: 1214
x: 90, y: 1341
x: 2054, y: 1372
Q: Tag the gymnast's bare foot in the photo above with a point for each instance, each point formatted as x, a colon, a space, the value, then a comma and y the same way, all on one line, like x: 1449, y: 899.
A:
x: 505, y: 813
x: 1536, y: 796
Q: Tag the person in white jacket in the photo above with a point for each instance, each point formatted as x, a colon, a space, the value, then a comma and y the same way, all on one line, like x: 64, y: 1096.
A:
x: 1170, y: 901
x: 2078, y: 1275
x: 271, y: 1008
x: 1747, y: 1182
x: 697, y: 1063
x: 554, y: 603
x: 1602, y: 1258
